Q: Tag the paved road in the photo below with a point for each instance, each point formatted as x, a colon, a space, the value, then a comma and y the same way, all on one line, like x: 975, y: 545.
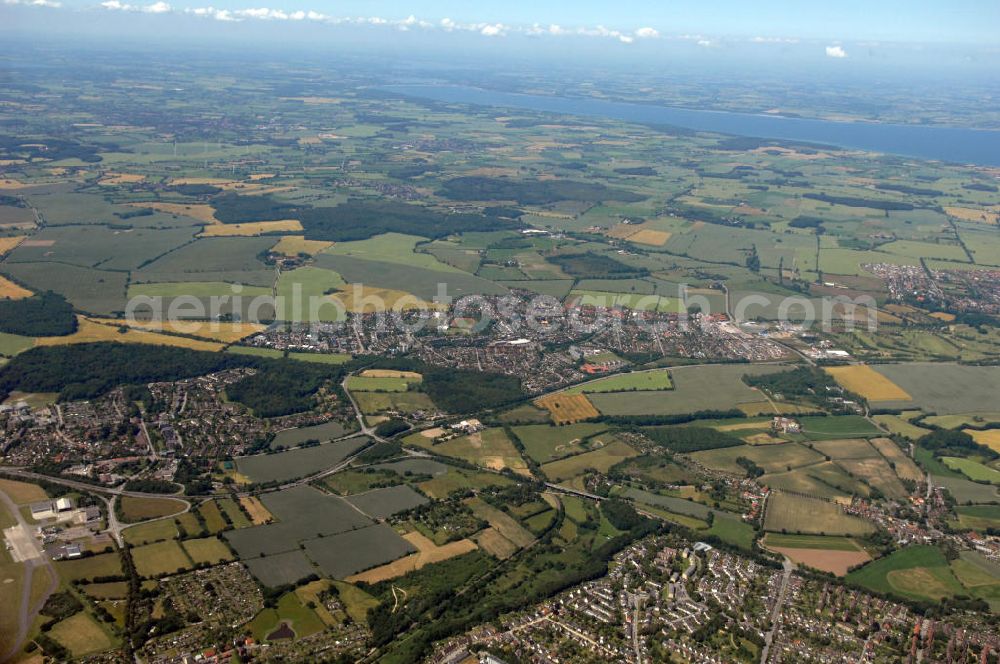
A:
x: 779, y: 604
x: 40, y: 561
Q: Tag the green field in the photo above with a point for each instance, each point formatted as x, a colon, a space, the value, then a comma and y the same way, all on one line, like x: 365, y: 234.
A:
x: 289, y: 610
x: 916, y: 572
x: 695, y: 388
x: 160, y: 558
x: 973, y: 469
x: 772, y: 458
x: 837, y: 426
x: 378, y: 384
x: 545, y: 443
x: 627, y: 382
x: 208, y: 550
x: 979, y: 517
x: 299, y: 462
x: 945, y: 388
x: 811, y: 542
x: 792, y: 513
x: 600, y: 459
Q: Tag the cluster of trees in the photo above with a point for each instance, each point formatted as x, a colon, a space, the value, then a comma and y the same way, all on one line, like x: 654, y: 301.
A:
x: 690, y: 439
x: 52, y: 149
x: 855, y: 201
x: 946, y: 442
x: 753, y: 470
x: 85, y: 371
x: 808, y: 383
x: 391, y: 427
x: 47, y: 314
x: 595, y: 265
x: 532, y: 192
x: 356, y: 219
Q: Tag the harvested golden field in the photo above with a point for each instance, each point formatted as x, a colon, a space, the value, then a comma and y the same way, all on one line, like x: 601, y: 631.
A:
x: 971, y: 214
x: 902, y: 464
x: 8, y: 243
x: 215, y: 182
x: 990, y: 438
x: 261, y: 176
x: 293, y: 245
x: 112, y: 179
x: 11, y: 291
x: 197, y: 211
x: 622, y: 231
x: 390, y: 373
x: 259, y: 514
x: 826, y: 560
x: 943, y: 316
x: 427, y: 553
x: 90, y: 331
x: 225, y: 332
x: 862, y: 379
x: 252, y: 229
x: 492, y: 542
x: 358, y: 298
x: 12, y: 184
x: 568, y: 408
x: 650, y: 237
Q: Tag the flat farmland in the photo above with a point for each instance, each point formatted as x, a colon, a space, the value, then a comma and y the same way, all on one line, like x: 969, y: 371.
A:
x: 140, y: 509
x: 160, y: 558
x: 658, y: 379
x: 990, y: 437
x: 378, y: 383
x: 90, y: 331
x: 916, y: 572
x: 823, y: 480
x: 568, y: 408
x: 600, y: 459
x: 717, y: 387
x: 800, y: 515
x: 829, y: 554
x: 11, y: 291
x: 490, y: 448
x: 851, y: 448
x: 208, y: 550
x: 945, y: 388
x: 90, y: 290
x: 837, y: 426
x: 321, y: 432
x: 974, y: 470
x: 875, y: 472
x: 772, y: 458
x: 105, y: 564
x: 81, y: 635
x: 300, y: 513
x: 901, y: 427
x: 283, y: 466
x: 100, y: 246
x: 383, y: 503
x: 427, y: 553
x: 348, y: 553
x: 504, y: 524
x: 902, y: 464
x: 978, y: 517
x: 545, y: 443
x: 862, y: 379
x: 419, y: 281
x: 373, y: 403
x: 282, y: 568
x: 154, y: 531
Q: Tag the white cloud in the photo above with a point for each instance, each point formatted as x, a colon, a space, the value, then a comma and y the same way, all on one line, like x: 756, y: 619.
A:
x: 705, y: 42
x: 34, y: 3
x: 835, y: 52
x: 647, y: 33
x: 494, y: 30
x: 775, y: 40
x: 157, y: 8
x: 116, y: 5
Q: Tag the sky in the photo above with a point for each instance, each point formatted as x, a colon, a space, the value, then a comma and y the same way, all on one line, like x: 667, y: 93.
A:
x: 848, y: 31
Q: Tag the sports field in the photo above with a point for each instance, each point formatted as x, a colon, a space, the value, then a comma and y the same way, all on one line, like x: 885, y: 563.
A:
x: 862, y: 379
